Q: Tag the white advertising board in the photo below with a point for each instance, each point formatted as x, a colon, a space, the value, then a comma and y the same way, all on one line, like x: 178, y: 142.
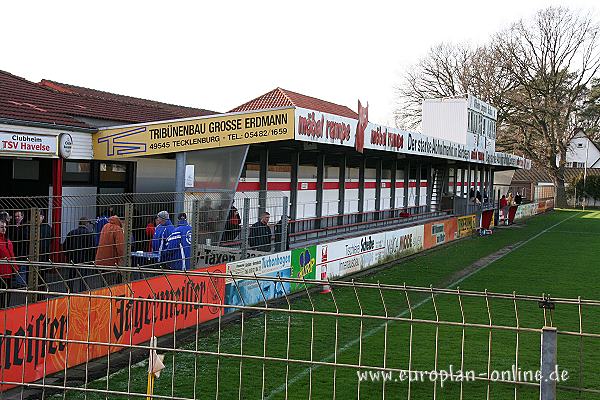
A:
x: 351, y: 255
x: 260, y: 265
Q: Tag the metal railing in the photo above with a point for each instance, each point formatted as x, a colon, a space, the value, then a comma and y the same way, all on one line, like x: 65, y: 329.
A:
x: 226, y: 335
x: 307, y: 229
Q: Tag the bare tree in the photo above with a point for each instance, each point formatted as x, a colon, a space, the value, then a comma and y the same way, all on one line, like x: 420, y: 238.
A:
x: 536, y: 72
x: 439, y: 74
x: 452, y: 70
x: 552, y: 58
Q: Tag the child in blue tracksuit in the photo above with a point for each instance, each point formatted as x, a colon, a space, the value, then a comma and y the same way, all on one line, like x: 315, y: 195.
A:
x: 163, y: 230
x: 179, y: 245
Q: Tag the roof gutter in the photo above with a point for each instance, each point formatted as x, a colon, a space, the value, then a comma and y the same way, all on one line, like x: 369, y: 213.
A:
x: 46, y: 125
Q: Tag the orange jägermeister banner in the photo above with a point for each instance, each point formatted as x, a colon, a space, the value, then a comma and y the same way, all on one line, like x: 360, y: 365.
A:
x: 222, y: 130
x: 42, y: 338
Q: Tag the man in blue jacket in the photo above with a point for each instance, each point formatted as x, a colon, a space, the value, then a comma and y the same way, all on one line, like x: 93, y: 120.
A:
x: 163, y: 230
x: 179, y: 245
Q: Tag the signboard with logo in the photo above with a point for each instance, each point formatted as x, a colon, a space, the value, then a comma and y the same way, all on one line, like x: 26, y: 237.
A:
x: 466, y: 225
x: 403, y: 242
x: 304, y: 264
x: 255, y: 291
x: 351, y: 255
x: 65, y: 145
x: 440, y: 232
x: 194, y: 134
x: 25, y: 144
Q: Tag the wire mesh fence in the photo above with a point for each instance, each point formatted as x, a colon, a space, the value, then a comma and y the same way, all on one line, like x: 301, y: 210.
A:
x: 227, y: 333
x: 173, y: 230
x: 170, y: 230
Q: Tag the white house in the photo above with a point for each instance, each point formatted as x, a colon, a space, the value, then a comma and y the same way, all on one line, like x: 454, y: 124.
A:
x: 583, y: 152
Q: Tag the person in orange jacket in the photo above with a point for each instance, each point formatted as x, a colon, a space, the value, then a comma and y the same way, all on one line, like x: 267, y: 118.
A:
x: 7, y: 270
x: 111, y: 245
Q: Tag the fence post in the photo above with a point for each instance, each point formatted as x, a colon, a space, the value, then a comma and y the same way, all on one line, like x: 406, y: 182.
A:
x: 245, y: 228
x: 128, y: 231
x: 548, y: 364
x: 33, y: 270
x: 284, y: 224
x: 195, y: 232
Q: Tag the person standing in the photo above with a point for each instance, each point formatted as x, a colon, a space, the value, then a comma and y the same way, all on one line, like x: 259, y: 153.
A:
x: 260, y: 234
x: 7, y: 255
x: 509, y: 199
x: 79, y: 243
x: 150, y: 229
x: 18, y: 233
x: 45, y: 239
x: 279, y: 236
x: 179, y: 245
x: 504, y: 208
x: 79, y: 247
x: 518, y: 199
x: 233, y: 225
x: 111, y: 246
x: 163, y: 230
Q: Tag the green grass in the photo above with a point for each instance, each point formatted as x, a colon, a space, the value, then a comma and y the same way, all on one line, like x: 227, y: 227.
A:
x: 562, y: 261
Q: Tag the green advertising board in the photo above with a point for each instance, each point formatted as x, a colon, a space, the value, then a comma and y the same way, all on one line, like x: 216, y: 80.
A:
x: 304, y: 265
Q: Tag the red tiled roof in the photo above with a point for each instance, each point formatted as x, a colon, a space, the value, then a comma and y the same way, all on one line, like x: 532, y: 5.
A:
x: 23, y: 100
x: 279, y: 97
x: 85, y: 102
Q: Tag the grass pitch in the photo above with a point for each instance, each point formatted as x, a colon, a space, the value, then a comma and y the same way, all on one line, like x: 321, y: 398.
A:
x: 557, y: 254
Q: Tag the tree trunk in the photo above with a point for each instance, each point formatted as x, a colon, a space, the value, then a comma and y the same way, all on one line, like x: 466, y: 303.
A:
x: 560, y: 196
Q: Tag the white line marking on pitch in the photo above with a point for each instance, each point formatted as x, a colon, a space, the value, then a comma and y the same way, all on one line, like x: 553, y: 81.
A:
x: 373, y: 331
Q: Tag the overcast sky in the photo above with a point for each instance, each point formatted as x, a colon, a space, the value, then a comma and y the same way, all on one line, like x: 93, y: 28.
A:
x: 219, y: 54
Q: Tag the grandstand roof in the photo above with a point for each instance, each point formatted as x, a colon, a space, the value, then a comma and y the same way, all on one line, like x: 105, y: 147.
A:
x: 279, y: 97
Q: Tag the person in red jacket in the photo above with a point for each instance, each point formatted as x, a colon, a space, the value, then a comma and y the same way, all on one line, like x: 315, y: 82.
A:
x: 150, y: 229
x: 7, y: 254
x: 504, y: 209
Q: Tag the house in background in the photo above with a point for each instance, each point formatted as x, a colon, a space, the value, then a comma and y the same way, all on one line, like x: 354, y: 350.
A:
x: 583, y: 157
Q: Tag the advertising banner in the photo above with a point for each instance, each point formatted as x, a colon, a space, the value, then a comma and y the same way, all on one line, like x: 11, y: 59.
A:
x: 440, y: 232
x: 304, y: 263
x: 526, y: 210
x: 194, y: 134
x: 114, y: 319
x: 403, y: 242
x: 352, y: 255
x: 23, y: 144
x: 466, y: 225
x: 256, y: 291
x: 319, y: 127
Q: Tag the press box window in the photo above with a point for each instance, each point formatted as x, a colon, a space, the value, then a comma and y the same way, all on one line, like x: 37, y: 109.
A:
x: 76, y: 171
x: 110, y: 172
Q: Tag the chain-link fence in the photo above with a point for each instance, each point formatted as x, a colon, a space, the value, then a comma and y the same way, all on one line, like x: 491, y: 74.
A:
x: 233, y: 334
x: 169, y: 230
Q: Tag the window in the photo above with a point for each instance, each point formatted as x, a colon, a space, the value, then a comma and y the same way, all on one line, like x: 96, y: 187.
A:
x: 580, y: 145
x: 113, y: 172
x: 26, y: 169
x: 75, y: 171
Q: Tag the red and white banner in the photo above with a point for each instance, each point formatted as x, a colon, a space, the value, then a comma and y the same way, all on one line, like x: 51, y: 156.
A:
x: 318, y: 127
